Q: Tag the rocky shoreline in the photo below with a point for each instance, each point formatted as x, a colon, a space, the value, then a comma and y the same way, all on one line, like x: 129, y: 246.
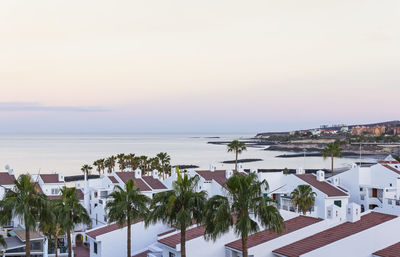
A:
x: 242, y: 161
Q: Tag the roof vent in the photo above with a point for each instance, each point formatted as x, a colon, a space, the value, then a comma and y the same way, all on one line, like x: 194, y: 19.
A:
x: 138, y: 173
x: 155, y: 174
x: 320, y: 175
x: 300, y: 171
x: 228, y: 173
x: 212, y: 167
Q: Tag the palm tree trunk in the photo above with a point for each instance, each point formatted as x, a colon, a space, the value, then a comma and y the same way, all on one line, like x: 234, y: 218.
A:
x: 56, y: 244
x: 128, y: 220
x: 69, y: 243
x: 27, y: 242
x: 244, y: 247
x: 236, y: 160
x: 183, y: 242
x: 332, y: 164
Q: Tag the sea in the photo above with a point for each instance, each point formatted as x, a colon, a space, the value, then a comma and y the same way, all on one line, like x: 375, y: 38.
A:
x: 68, y: 153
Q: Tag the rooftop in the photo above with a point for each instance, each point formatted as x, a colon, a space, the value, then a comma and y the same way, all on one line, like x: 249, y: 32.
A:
x: 50, y: 178
x: 154, y: 183
x: 20, y: 233
x: 113, y: 179
x: 6, y: 179
x: 218, y: 175
x: 391, y: 168
x: 334, y: 234
x: 142, y: 254
x: 175, y: 239
x: 126, y: 176
x: 391, y: 251
x: 323, y: 186
x: 267, y: 235
x: 94, y: 233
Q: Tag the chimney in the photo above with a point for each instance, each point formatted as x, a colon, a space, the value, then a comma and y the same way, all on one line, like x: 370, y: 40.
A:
x: 253, y: 171
x: 300, y: 171
x: 353, y: 212
x: 320, y: 175
x: 240, y: 167
x: 228, y: 173
x: 138, y: 173
x: 212, y: 167
x: 155, y: 174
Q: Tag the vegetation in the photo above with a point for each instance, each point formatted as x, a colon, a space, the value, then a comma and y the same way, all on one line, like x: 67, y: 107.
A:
x: 303, y: 198
x: 127, y: 205
x: 332, y: 150
x: 25, y: 203
x: 86, y: 170
x: 241, y: 209
x: 237, y: 147
x: 180, y: 206
x: 3, y: 241
x: 71, y: 213
x: 99, y: 164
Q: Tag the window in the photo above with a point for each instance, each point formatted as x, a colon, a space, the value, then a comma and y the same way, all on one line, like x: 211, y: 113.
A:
x: 95, y: 247
x: 390, y: 201
x: 171, y: 254
x: 348, y: 211
x: 361, y: 189
x: 390, y: 184
x: 329, y: 213
x: 55, y: 191
x: 338, y: 203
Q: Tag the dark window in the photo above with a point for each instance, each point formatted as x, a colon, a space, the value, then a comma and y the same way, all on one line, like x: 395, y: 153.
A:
x: 95, y: 248
x: 171, y: 254
x: 338, y: 203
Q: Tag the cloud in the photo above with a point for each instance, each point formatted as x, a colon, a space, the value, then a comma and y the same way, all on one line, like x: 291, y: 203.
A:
x: 38, y: 107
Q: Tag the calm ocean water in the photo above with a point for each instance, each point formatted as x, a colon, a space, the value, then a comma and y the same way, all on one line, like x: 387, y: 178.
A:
x: 67, y: 153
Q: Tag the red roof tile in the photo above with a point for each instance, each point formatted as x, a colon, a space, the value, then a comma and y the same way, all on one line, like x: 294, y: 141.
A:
x: 167, y: 232
x: 79, y: 192
x: 6, y: 179
x: 142, y: 254
x: 334, y: 234
x: 113, y: 179
x: 391, y: 251
x: 175, y: 239
x: 107, y: 229
x: 323, y: 186
x: 125, y: 176
x: 390, y: 162
x: 153, y: 183
x: 50, y: 178
x: 391, y: 168
x: 218, y: 175
x: 267, y: 235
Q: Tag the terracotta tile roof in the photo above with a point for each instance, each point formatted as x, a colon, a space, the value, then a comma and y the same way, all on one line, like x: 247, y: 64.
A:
x: 334, y: 234
x: 391, y: 251
x: 113, y: 179
x: 79, y: 192
x: 267, y: 235
x: 167, y: 232
x: 391, y: 168
x: 389, y: 162
x: 107, y: 229
x: 21, y: 234
x: 175, y: 239
x: 50, y: 178
x: 217, y: 175
x: 323, y: 186
x: 125, y: 176
x: 153, y: 183
x: 142, y: 254
x: 6, y: 179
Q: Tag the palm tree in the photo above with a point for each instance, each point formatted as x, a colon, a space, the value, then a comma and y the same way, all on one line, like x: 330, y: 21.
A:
x: 26, y: 203
x: 132, y: 161
x: 99, y: 165
x: 110, y: 163
x: 121, y: 161
x: 86, y: 170
x: 71, y: 213
x: 143, y: 163
x: 126, y: 206
x: 54, y: 227
x: 180, y: 206
x: 237, y: 147
x: 332, y: 150
x: 303, y: 198
x: 245, y: 203
x: 165, y: 163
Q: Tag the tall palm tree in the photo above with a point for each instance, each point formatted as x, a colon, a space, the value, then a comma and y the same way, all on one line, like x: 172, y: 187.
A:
x: 245, y: 203
x: 72, y: 213
x: 165, y: 163
x: 121, y: 159
x: 24, y: 202
x: 110, y: 163
x: 126, y: 206
x: 303, y: 198
x: 99, y: 165
x: 54, y: 227
x: 132, y: 161
x: 86, y: 170
x: 144, y: 162
x: 332, y: 150
x: 180, y: 206
x: 237, y: 147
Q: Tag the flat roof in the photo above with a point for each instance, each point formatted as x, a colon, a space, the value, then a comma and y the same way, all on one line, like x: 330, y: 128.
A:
x: 175, y: 239
x: 333, y: 234
x: 107, y: 229
x: 391, y: 251
x: 268, y: 235
x: 323, y: 186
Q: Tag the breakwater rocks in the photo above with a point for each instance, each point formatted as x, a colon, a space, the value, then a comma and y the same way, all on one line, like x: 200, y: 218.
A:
x: 242, y: 161
x: 186, y: 166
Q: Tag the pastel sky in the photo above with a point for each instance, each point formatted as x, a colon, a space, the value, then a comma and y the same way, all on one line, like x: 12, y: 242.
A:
x: 196, y: 66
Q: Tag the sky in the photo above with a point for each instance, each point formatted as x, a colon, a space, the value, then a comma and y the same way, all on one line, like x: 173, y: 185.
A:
x: 196, y: 66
